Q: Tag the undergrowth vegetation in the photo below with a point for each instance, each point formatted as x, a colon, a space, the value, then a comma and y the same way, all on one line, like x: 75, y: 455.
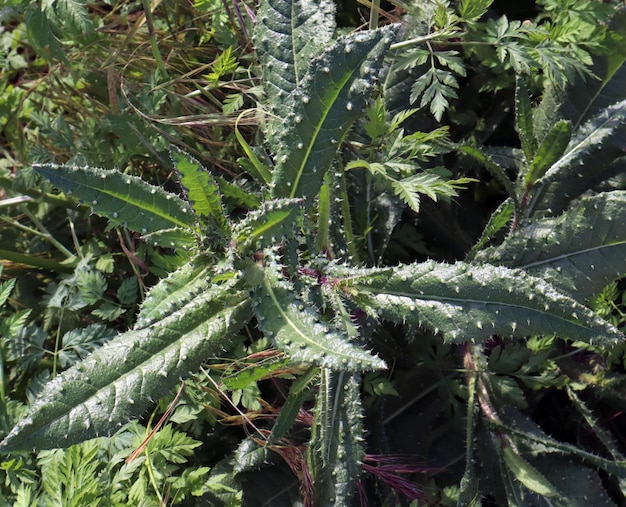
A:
x: 260, y: 255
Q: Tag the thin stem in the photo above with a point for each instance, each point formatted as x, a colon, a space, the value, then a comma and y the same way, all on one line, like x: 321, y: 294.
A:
x: 48, y: 236
x: 374, y: 8
x: 153, y: 42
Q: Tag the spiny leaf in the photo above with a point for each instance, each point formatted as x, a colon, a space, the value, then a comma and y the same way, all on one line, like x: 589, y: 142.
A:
x: 524, y: 120
x: 467, y: 302
x: 268, y: 225
x: 300, y: 331
x: 336, y: 449
x: 498, y: 220
x: 528, y: 475
x: 567, y: 177
x: 550, y: 151
x: 202, y: 190
x: 288, y: 34
x: 322, y: 109
x: 579, y: 252
x: 120, y: 380
x: 174, y: 292
x: 125, y: 200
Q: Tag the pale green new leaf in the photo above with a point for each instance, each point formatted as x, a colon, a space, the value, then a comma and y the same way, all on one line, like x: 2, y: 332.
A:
x: 121, y: 379
x: 320, y: 112
x: 567, y: 177
x: 549, y: 152
x: 579, y: 252
x: 467, y: 302
x: 203, y: 192
x: 125, y: 200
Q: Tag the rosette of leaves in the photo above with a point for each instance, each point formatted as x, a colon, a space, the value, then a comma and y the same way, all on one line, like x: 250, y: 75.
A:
x: 288, y: 266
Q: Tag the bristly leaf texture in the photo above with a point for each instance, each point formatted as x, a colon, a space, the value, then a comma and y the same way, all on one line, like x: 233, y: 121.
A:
x: 578, y: 252
x: 336, y: 450
x: 321, y: 110
x: 300, y: 331
x: 562, y: 182
x: 268, y: 225
x: 125, y: 200
x: 121, y: 379
x: 202, y: 190
x: 466, y: 302
x: 288, y: 35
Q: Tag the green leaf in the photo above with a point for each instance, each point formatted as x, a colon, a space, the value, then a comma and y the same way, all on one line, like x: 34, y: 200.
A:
x: 573, y: 172
x: 298, y: 394
x: 578, y: 252
x: 336, y: 449
x: 202, y: 190
x: 268, y: 225
x: 321, y: 110
x: 528, y: 475
x: 120, y: 380
x: 498, y: 221
x: 287, y: 36
x: 256, y: 168
x: 524, y: 120
x: 125, y: 200
x: 466, y: 302
x: 5, y: 290
x: 550, y: 151
x: 171, y: 294
x: 472, y: 10
x: 299, y: 329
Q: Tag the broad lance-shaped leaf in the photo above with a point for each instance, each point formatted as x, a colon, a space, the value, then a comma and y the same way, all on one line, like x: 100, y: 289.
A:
x: 578, y: 252
x: 125, y: 200
x: 287, y: 36
x: 300, y: 331
x: 120, y: 380
x: 202, y: 190
x: 321, y: 110
x: 467, y: 302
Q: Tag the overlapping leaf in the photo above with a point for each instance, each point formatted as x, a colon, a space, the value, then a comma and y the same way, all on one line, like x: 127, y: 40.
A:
x: 121, y: 379
x: 579, y: 252
x: 299, y: 330
x: 321, y: 110
x: 466, y: 302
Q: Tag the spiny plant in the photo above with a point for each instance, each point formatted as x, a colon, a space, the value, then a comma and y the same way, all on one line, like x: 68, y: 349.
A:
x: 293, y: 267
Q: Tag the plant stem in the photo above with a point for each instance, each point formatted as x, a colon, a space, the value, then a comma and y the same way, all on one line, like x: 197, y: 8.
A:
x: 374, y: 8
x: 153, y: 42
x: 37, y: 262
